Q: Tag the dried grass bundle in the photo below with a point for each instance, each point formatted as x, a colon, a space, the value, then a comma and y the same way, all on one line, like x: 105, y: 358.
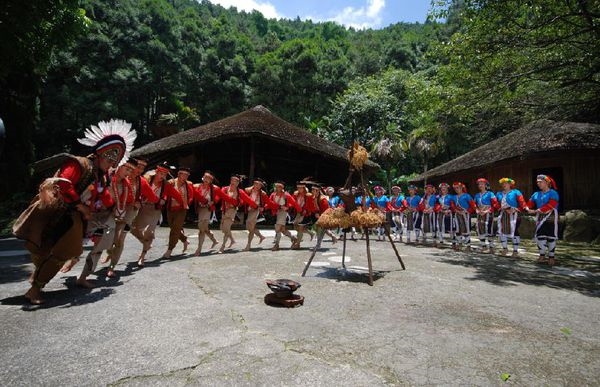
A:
x: 333, y: 218
x: 373, y: 217
x: 360, y: 156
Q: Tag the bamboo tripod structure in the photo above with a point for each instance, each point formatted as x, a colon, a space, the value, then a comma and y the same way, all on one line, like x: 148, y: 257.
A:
x: 350, y: 205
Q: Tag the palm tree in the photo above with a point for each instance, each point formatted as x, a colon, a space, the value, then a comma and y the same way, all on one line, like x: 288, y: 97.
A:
x: 425, y: 143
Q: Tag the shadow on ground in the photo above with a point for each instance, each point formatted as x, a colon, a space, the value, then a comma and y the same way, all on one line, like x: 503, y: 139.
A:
x: 350, y: 275
x: 504, y: 271
x: 65, y: 298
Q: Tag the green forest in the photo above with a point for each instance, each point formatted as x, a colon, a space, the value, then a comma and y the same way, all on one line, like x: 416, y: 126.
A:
x: 416, y: 94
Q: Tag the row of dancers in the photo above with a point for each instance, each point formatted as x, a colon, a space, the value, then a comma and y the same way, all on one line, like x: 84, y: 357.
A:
x: 443, y: 216
x: 84, y: 197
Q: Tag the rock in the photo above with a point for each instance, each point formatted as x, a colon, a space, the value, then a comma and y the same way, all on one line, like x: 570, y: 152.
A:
x: 579, y: 227
x: 527, y: 227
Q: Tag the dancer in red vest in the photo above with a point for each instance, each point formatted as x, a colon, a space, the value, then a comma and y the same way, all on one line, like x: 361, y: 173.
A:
x: 545, y: 201
x: 261, y: 198
x: 150, y: 213
x: 306, y: 203
x: 176, y: 212
x: 111, y: 216
x: 207, y: 195
x: 284, y: 201
x: 233, y: 198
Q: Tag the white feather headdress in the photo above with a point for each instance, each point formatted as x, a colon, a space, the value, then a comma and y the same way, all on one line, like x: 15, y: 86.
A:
x: 113, y: 139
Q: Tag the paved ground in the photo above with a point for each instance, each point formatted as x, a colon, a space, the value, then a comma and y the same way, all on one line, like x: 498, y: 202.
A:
x: 448, y: 319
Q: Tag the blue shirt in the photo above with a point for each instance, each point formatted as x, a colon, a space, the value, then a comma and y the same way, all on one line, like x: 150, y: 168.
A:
x: 430, y: 201
x: 334, y: 201
x: 542, y: 198
x: 398, y: 202
x: 413, y: 202
x: 358, y: 201
x: 484, y: 199
x: 382, y: 201
x: 445, y: 200
x: 511, y: 197
x: 464, y: 201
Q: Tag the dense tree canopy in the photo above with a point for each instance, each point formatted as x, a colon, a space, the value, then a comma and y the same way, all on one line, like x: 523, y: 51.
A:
x: 415, y: 94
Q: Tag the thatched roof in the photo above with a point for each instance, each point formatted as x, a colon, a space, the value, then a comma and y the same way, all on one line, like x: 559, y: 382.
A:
x: 258, y: 121
x: 534, y: 138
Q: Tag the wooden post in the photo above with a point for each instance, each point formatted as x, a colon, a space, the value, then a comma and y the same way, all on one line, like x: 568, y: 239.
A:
x: 369, y: 256
x: 320, y: 236
x: 344, y: 251
x: 387, y: 232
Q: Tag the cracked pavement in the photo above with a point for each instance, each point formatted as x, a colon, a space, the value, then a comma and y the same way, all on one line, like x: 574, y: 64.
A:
x: 449, y: 319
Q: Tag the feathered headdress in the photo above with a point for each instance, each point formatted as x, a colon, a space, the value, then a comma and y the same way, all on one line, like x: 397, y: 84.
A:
x: 112, y: 140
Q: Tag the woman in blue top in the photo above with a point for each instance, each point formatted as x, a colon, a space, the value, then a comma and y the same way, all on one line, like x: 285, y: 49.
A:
x: 381, y: 201
x: 487, y: 204
x: 546, y: 215
x: 397, y: 215
x: 464, y: 206
x: 428, y: 208
x: 410, y: 206
x: 445, y: 219
x: 511, y: 204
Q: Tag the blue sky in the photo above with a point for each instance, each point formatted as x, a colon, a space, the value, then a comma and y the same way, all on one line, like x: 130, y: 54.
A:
x: 351, y: 13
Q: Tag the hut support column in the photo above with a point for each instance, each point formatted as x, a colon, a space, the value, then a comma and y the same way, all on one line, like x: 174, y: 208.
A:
x: 252, y: 160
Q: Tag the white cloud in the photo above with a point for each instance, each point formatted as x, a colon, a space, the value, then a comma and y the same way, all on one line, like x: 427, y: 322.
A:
x: 264, y: 7
x: 367, y: 16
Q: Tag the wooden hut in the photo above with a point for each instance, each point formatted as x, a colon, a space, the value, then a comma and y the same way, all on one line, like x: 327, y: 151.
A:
x: 256, y: 143
x: 567, y: 151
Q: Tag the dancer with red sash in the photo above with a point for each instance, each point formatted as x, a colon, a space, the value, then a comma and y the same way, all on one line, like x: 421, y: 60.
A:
x: 381, y: 201
x: 544, y: 205
x: 150, y: 213
x: 446, y: 223
x: 321, y: 204
x: 511, y: 204
x: 176, y: 212
x: 487, y: 204
x: 261, y: 198
x: 302, y: 221
x: 395, y: 206
x: 233, y: 198
x: 410, y: 207
x: 207, y: 196
x: 429, y: 207
x: 109, y: 216
x: 464, y: 206
x: 284, y: 201
x: 141, y: 191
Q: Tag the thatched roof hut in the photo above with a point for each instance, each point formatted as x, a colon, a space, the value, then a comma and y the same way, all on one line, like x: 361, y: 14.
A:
x: 568, y: 151
x: 254, y: 142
